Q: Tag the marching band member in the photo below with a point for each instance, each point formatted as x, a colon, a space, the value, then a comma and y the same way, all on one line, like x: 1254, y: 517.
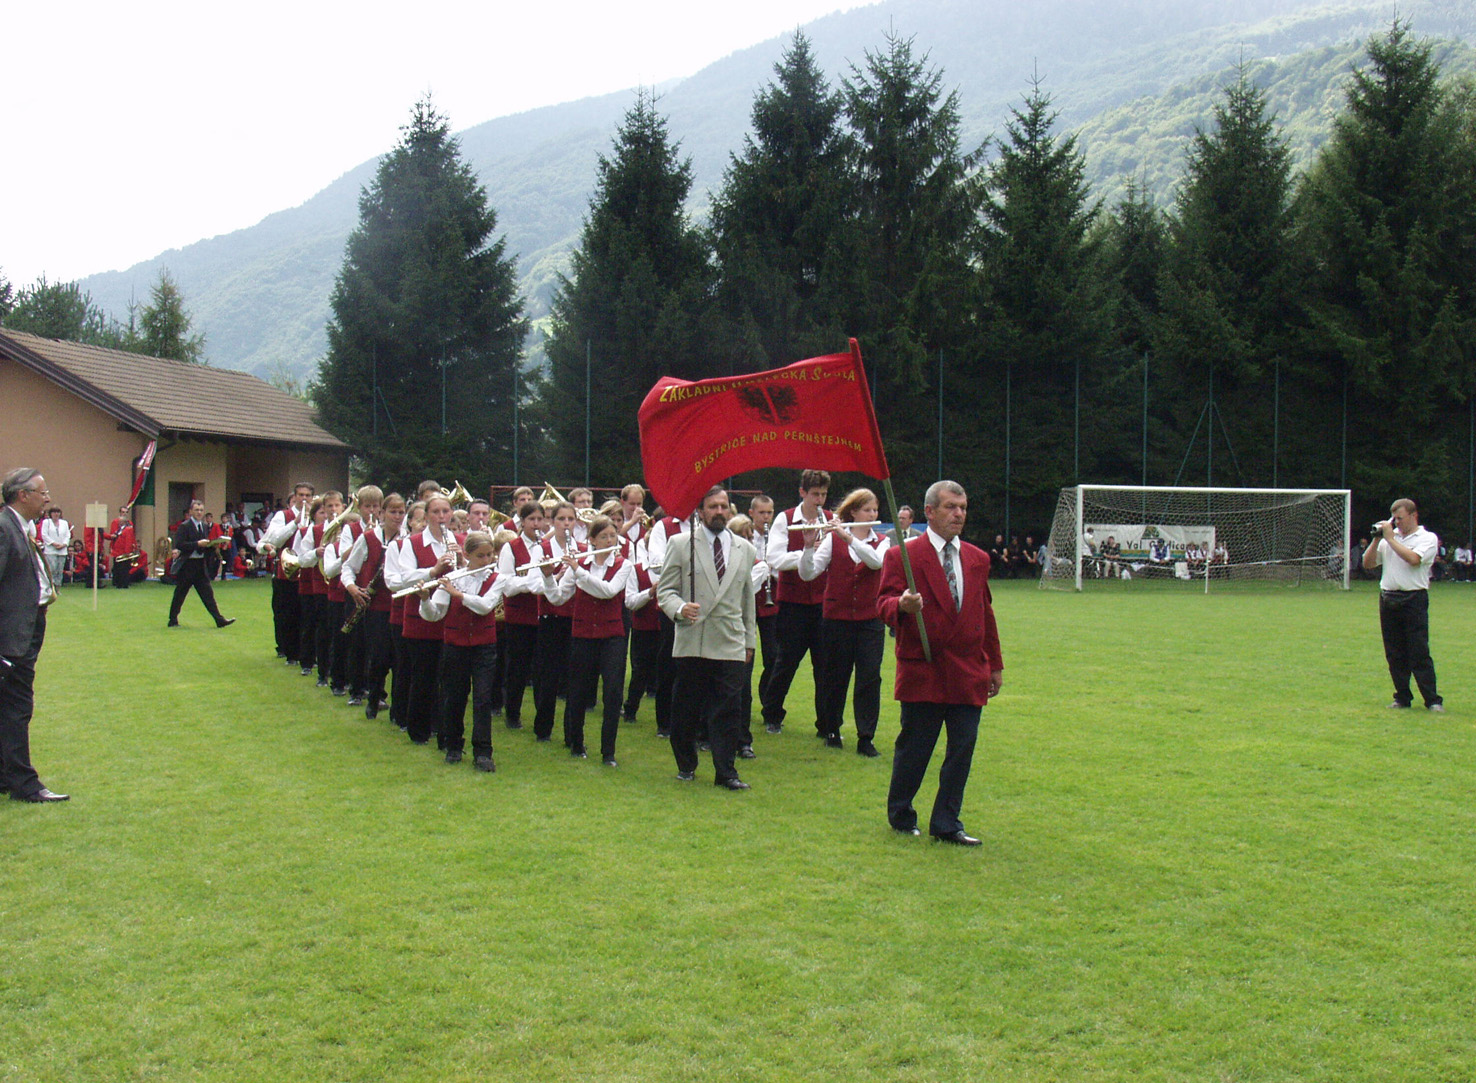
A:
x: 798, y: 622
x: 424, y: 557
x: 363, y: 582
x: 645, y: 638
x: 761, y: 511
x: 56, y: 543
x: 328, y: 589
x: 395, y: 565
x: 742, y: 526
x: 124, y: 542
x: 597, y: 648
x: 464, y: 609
x: 522, y: 497
x: 582, y: 499
x: 633, y: 517
x: 348, y: 647
x: 663, y: 530
x: 555, y: 621
x: 286, y: 609
x: 520, y: 610
x: 309, y: 595
x: 851, y: 633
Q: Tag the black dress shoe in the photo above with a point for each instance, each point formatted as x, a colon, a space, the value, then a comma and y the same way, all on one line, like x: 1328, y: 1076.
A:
x: 665, y: 735
x: 773, y: 727
x: 514, y: 724
x: 906, y: 830
x: 867, y: 749
x: 731, y: 784
x: 40, y: 797
x: 356, y: 701
x: 322, y: 682
x: 958, y: 838
x: 484, y: 763
x: 340, y: 691
x: 686, y: 776
x: 833, y: 740
x: 747, y: 753
x: 371, y: 710
x: 453, y: 755
x: 225, y: 622
x: 172, y: 624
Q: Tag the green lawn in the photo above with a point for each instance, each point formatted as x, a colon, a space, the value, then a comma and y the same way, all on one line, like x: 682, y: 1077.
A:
x: 1210, y: 854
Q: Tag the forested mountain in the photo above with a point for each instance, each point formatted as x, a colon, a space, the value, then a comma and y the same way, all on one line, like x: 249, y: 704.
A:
x: 1134, y: 77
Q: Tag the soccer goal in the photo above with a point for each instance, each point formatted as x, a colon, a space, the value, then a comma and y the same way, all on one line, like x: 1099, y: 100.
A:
x: 1198, y: 536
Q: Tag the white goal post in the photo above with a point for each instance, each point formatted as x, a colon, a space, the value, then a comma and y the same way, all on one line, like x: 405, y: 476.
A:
x: 1196, y: 535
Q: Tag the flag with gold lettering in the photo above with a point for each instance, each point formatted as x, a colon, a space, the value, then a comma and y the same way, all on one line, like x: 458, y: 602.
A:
x: 814, y: 414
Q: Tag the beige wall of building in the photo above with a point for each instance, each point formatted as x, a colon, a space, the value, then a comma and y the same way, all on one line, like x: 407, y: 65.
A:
x: 77, y: 447
x: 86, y: 459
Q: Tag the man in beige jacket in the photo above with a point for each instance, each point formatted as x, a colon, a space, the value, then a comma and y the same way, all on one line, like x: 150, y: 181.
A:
x: 705, y: 589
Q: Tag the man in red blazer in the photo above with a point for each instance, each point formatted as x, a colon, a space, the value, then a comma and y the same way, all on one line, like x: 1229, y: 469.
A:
x: 950, y: 691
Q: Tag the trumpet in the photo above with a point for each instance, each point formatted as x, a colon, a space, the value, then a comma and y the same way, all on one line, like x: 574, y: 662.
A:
x: 331, y: 531
x: 551, y: 561
x: 449, y: 577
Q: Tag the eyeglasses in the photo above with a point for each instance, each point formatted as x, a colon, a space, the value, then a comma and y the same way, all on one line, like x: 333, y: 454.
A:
x: 39, y: 492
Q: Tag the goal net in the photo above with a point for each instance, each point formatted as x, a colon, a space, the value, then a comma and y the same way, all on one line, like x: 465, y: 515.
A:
x: 1198, y: 536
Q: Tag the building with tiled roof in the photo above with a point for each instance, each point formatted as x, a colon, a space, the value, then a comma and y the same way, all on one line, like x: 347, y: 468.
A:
x: 82, y: 415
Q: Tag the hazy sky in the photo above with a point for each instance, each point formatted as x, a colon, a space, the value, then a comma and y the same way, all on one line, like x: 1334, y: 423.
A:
x: 135, y: 128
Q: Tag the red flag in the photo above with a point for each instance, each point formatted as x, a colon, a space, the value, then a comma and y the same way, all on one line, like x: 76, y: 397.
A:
x: 813, y: 414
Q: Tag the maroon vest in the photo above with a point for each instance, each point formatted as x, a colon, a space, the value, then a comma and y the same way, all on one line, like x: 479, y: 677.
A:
x: 599, y: 618
x: 371, y: 573
x: 648, y: 617
x: 850, y: 586
x: 463, y: 628
x: 520, y: 608
x: 792, y: 588
x: 310, y: 580
x: 414, y: 627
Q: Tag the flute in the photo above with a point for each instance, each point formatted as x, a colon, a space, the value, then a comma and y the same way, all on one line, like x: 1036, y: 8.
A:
x: 821, y: 525
x: 449, y: 577
x: 549, y: 563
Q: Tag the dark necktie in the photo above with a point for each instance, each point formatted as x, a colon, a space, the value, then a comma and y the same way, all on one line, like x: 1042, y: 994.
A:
x: 717, y: 557
x: 951, y: 575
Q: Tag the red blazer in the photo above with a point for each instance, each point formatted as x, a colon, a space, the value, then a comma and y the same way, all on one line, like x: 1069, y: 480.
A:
x: 965, y: 644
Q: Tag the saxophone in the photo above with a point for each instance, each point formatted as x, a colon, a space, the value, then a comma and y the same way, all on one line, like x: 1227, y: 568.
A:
x: 361, y: 604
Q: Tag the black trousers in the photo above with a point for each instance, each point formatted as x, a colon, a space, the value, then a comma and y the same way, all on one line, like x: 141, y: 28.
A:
x: 553, y: 671
x: 309, y: 607
x: 193, y: 574
x: 400, y: 684
x: 378, y: 653
x: 921, y: 724
x: 122, y: 574
x: 848, y: 646
x: 17, y: 704
x: 467, y: 671
x: 592, y: 663
x: 327, y: 632
x: 286, y: 612
x: 519, y: 642
x: 422, y: 696
x: 768, y: 654
x: 799, y: 634
x: 1404, y: 620
x: 355, y: 649
x: 643, y: 647
x: 665, y: 675
x: 714, y: 689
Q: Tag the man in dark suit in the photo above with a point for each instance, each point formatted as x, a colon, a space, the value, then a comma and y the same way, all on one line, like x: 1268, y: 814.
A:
x: 189, y: 567
x: 26, y: 590
x: 966, y: 669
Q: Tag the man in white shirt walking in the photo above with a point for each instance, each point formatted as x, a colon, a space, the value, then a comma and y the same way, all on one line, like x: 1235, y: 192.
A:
x: 1406, y: 551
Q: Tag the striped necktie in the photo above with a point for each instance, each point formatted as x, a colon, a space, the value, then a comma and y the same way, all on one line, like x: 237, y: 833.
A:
x: 951, y: 575
x: 717, y: 557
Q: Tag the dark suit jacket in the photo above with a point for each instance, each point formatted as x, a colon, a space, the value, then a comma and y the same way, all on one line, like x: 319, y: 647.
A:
x: 20, y: 592
x: 187, y: 540
x: 964, y: 642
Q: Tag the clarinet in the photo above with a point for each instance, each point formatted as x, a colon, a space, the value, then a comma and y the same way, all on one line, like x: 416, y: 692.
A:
x: 768, y: 578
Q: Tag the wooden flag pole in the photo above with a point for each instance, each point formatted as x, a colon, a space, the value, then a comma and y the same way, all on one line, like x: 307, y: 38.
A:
x: 901, y: 543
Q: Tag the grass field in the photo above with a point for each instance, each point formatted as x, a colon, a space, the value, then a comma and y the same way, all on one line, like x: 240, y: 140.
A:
x: 1210, y: 854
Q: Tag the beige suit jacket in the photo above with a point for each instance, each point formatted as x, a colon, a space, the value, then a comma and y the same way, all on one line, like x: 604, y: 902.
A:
x: 727, y: 627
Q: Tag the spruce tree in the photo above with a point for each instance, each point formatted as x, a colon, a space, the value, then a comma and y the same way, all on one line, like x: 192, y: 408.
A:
x: 1228, y: 294
x: 63, y: 310
x: 1390, y: 213
x: 1044, y: 311
x: 778, y: 223
x: 165, y: 326
x: 635, y: 304
x: 427, y: 322
x: 908, y: 277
